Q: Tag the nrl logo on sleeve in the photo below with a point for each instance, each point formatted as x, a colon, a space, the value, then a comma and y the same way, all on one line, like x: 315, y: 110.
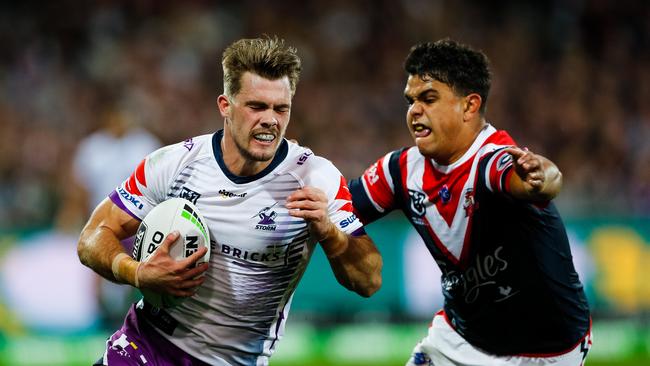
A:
x: 504, y: 161
x: 188, y: 144
x: 189, y: 195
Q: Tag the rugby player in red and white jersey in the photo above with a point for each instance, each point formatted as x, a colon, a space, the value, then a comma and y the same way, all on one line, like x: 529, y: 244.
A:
x: 266, y: 202
x: 483, y: 207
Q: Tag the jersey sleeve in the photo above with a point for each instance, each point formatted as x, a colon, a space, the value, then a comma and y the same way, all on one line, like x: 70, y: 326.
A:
x: 325, y: 176
x: 147, y: 186
x: 373, y: 194
x: 497, y: 172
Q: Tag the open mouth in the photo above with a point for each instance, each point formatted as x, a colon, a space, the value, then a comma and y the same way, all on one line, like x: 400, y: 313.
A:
x: 421, y: 130
x: 264, y: 137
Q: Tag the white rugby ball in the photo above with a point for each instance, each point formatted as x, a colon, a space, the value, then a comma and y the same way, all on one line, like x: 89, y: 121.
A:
x: 173, y: 214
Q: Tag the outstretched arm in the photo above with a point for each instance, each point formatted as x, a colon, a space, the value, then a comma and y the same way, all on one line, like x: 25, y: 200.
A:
x: 100, y: 249
x: 355, y: 260
x: 536, y: 178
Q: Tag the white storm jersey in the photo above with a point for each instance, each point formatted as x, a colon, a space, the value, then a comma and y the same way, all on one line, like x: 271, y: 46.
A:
x: 259, y: 251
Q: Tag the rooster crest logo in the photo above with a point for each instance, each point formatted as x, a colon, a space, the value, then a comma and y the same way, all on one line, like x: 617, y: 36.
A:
x: 469, y: 205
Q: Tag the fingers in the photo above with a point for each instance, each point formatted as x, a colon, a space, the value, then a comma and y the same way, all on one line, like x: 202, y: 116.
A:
x: 308, y: 215
x: 176, y: 281
x: 307, y: 193
x: 529, y: 168
x: 305, y: 205
x: 524, y: 158
x: 169, y: 240
x: 515, y: 152
x: 189, y: 261
x: 194, y: 272
x: 308, y: 203
x: 186, y: 288
x: 529, y: 161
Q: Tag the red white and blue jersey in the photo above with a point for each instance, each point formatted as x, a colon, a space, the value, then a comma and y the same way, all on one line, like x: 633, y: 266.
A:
x: 508, y: 279
x: 258, y: 251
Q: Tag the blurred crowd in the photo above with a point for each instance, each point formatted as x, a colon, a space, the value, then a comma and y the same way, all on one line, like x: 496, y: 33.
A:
x: 571, y: 80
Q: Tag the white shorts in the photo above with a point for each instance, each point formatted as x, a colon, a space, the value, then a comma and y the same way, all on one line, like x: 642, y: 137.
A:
x: 444, y: 347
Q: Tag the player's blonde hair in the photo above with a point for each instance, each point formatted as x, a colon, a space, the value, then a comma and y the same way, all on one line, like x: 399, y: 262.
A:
x: 267, y: 57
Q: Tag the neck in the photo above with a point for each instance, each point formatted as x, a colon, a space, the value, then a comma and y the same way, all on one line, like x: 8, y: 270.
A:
x: 467, y: 136
x: 237, y: 163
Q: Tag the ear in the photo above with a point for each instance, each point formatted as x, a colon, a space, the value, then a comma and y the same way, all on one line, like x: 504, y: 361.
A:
x: 472, y: 106
x: 224, y: 105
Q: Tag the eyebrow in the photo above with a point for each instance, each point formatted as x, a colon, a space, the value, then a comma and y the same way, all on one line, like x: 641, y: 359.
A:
x: 422, y: 94
x: 255, y: 103
x: 259, y: 103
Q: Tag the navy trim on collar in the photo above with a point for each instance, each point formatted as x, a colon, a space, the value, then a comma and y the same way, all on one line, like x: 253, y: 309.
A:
x: 280, y: 155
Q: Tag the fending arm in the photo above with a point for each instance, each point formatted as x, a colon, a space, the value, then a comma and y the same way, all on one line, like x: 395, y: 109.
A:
x: 535, y: 178
x: 355, y: 260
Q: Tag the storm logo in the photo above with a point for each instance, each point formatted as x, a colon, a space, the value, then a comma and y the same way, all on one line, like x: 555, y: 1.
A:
x: 267, y: 219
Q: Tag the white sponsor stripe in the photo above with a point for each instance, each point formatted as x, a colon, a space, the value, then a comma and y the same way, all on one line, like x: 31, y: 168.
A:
x: 386, y: 170
x: 375, y: 204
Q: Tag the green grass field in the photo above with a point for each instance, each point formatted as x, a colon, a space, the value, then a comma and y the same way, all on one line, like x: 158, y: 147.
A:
x: 616, y: 343
x: 631, y: 362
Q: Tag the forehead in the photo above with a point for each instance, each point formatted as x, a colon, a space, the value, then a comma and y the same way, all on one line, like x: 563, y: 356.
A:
x: 416, y: 85
x: 256, y: 87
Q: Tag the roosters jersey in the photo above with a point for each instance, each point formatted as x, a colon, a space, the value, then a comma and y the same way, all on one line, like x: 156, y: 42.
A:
x: 508, y: 279
x: 259, y: 251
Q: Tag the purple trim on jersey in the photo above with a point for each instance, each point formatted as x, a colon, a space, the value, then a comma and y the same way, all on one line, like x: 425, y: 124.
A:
x: 137, y: 343
x: 278, y: 325
x: 128, y: 244
x: 118, y: 202
x: 358, y: 232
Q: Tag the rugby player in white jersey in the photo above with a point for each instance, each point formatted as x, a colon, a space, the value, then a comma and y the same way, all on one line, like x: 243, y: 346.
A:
x: 267, y: 202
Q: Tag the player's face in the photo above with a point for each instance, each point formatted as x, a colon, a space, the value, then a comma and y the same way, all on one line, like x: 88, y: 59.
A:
x: 435, y: 119
x: 257, y: 117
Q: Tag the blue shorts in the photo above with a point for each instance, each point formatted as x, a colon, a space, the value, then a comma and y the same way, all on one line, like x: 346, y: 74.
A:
x: 138, y: 343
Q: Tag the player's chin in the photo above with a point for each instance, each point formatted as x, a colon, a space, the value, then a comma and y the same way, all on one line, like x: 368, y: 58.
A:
x: 425, y: 147
x: 262, y: 154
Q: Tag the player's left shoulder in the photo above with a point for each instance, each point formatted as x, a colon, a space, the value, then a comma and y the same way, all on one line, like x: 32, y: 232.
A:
x: 312, y: 169
x: 303, y: 159
x: 498, y: 137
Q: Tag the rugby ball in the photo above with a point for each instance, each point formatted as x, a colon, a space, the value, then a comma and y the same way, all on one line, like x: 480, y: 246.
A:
x: 173, y: 214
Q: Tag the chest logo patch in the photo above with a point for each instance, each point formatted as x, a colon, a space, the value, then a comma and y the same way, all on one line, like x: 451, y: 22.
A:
x: 267, y: 218
x: 469, y: 205
x: 417, y: 202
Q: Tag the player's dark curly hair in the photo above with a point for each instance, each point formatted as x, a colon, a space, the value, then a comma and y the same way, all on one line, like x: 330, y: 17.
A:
x: 462, y: 68
x: 267, y: 57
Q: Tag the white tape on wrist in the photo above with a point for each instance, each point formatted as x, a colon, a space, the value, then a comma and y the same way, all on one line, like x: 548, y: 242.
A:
x: 136, y: 281
x: 115, y: 266
x: 121, y: 271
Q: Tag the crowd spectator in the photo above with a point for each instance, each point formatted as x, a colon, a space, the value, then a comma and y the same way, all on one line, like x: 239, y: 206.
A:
x: 572, y: 82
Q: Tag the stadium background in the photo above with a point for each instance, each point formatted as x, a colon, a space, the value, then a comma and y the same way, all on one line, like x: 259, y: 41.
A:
x: 571, y: 81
